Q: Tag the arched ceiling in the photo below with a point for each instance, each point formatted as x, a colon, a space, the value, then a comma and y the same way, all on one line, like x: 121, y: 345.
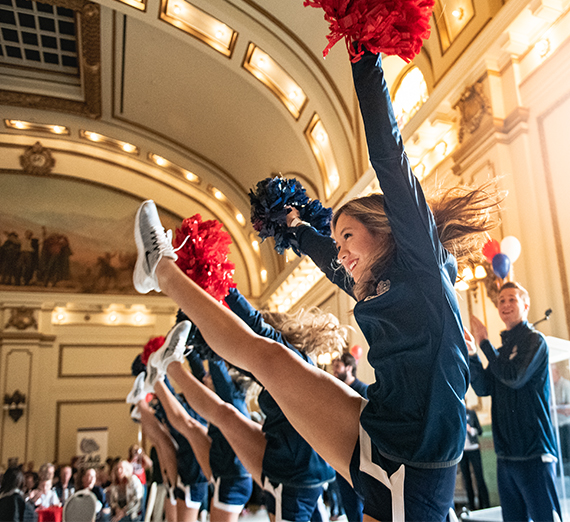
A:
x: 148, y: 83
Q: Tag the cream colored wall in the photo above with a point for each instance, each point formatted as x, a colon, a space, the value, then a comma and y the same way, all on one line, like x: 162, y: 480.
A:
x: 75, y: 374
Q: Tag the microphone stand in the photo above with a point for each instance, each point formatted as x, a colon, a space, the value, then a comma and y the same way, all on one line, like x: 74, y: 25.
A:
x: 545, y: 318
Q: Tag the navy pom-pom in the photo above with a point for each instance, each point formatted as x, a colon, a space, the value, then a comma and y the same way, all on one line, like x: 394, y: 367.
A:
x: 269, y: 215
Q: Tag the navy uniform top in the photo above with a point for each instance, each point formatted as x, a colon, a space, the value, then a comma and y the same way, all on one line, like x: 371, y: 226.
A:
x: 288, y: 457
x: 518, y: 382
x: 223, y: 460
x: 188, y: 468
x: 416, y: 410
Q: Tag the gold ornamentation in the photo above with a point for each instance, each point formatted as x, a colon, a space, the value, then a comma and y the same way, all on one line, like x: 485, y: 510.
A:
x: 473, y: 105
x: 37, y: 160
x: 22, y: 318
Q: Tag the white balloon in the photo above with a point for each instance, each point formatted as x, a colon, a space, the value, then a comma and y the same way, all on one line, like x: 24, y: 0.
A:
x: 511, y: 247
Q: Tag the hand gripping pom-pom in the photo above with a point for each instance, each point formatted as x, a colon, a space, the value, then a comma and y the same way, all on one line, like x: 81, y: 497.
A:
x: 204, y: 257
x: 269, y: 212
x: 392, y: 27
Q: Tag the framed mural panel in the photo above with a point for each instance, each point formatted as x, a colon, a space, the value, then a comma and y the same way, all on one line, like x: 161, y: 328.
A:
x: 67, y: 235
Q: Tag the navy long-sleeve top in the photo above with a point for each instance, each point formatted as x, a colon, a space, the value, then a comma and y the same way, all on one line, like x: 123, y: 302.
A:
x: 188, y: 468
x: 288, y: 457
x: 223, y: 460
x: 518, y: 382
x: 416, y: 409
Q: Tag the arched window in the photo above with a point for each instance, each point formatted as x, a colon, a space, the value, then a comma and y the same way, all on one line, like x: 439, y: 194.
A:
x: 410, y: 95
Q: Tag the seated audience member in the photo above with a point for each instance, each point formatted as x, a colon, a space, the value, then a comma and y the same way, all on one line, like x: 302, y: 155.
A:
x: 64, y: 488
x: 13, y: 507
x: 45, y: 496
x: 125, y: 493
x: 31, y: 481
x: 103, y: 477
x: 87, y: 480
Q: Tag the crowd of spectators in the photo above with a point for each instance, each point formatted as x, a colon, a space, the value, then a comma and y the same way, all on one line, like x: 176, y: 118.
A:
x: 118, y: 490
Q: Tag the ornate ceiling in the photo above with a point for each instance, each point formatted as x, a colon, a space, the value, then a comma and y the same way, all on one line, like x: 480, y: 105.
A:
x: 192, y: 103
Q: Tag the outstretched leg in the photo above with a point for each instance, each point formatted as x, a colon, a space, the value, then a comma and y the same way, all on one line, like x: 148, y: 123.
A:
x: 321, y: 408
x: 165, y: 446
x: 194, y: 432
x: 244, y: 435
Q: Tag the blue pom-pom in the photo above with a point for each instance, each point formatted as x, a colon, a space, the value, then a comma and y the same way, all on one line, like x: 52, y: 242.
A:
x: 269, y: 215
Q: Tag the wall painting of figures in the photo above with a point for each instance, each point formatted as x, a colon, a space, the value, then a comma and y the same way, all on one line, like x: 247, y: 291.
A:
x: 67, y: 235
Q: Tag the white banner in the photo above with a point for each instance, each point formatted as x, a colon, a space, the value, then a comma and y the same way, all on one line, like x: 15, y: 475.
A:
x: 91, y: 446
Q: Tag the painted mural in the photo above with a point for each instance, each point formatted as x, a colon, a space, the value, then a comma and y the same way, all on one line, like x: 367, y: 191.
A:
x: 67, y: 235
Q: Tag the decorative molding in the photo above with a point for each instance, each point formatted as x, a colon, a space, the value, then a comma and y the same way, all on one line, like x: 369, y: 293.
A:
x: 37, y: 160
x: 99, y: 348
x: 557, y: 227
x: 58, y: 408
x: 473, y: 105
x: 22, y: 318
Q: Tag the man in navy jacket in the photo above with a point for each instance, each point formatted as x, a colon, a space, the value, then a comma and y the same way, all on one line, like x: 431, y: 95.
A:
x: 517, y: 380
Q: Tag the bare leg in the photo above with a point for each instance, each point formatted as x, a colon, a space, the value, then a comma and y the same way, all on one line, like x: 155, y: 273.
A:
x: 194, y: 432
x: 218, y: 515
x: 184, y: 513
x: 244, y: 436
x: 169, y: 511
x: 161, y: 439
x: 321, y: 408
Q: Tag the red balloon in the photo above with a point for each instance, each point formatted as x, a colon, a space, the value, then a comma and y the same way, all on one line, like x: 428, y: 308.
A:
x: 490, y: 249
x: 356, y: 351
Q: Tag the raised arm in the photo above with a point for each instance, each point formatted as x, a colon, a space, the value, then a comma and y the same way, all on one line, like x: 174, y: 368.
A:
x: 410, y: 217
x: 515, y: 372
x: 250, y: 316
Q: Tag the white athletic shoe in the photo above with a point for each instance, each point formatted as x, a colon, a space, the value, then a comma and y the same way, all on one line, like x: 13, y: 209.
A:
x: 153, y: 373
x: 137, y: 393
x: 136, y: 414
x: 173, y: 348
x: 153, y: 243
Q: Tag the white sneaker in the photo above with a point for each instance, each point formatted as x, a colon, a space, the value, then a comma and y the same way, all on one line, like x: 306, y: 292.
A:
x: 137, y: 393
x: 173, y: 348
x: 136, y: 414
x: 153, y: 243
x: 154, y: 373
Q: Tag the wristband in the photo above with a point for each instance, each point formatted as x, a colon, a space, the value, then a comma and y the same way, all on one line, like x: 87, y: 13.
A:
x: 297, y: 222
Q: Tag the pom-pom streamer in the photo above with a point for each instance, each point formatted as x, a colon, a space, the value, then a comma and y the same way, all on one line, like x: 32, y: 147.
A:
x: 150, y: 347
x: 393, y: 27
x: 203, y: 255
x: 269, y: 211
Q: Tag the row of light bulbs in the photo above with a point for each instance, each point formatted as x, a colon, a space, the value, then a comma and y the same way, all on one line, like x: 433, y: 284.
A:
x: 63, y: 316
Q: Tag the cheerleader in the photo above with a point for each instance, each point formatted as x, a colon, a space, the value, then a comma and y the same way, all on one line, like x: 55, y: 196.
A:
x: 400, y: 448
x: 279, y: 459
x: 181, y: 470
x: 232, y: 483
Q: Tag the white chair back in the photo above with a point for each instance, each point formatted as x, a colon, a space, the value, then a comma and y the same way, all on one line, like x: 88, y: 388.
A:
x: 80, y: 507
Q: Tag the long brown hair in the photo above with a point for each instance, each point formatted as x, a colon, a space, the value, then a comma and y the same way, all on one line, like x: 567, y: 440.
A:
x: 462, y: 215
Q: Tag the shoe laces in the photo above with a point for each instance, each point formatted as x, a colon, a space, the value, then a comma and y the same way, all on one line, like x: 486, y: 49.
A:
x: 162, y: 239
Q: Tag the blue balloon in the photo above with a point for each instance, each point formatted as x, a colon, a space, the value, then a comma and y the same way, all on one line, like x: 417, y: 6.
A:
x: 501, y: 265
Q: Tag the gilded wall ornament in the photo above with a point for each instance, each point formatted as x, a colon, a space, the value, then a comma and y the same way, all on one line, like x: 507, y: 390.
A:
x: 22, y: 318
x: 473, y: 105
x: 37, y: 160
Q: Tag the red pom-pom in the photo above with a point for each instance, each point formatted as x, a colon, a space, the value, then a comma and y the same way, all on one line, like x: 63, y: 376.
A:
x: 152, y: 346
x: 392, y: 27
x: 204, y: 255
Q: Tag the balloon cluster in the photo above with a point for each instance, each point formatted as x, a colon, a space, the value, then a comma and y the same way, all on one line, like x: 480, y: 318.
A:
x: 502, y: 255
